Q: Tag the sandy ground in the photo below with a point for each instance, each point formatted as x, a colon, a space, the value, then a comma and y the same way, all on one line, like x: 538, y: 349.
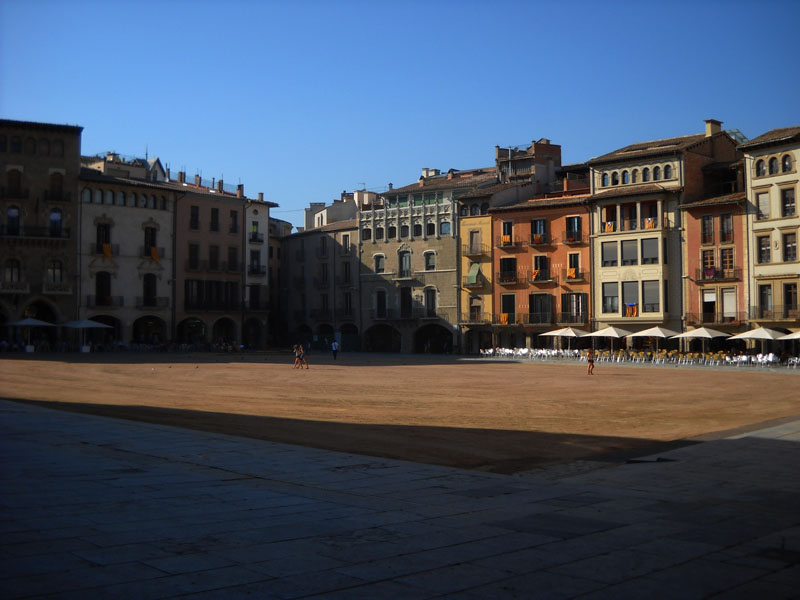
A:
x: 490, y: 415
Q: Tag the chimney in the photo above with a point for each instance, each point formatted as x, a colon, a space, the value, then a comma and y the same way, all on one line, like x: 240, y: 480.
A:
x: 181, y: 176
x: 167, y: 173
x: 713, y: 126
x: 260, y: 196
x: 240, y: 190
x: 219, y: 186
x: 390, y: 186
x: 198, y: 181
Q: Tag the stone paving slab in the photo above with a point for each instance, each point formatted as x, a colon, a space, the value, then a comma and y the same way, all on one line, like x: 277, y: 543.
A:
x: 103, y: 508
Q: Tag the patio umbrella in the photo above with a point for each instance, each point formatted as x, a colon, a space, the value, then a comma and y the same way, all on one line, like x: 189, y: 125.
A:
x: 567, y: 332
x: 761, y: 333
x: 791, y: 336
x: 29, y: 322
x: 86, y: 324
x: 610, y: 332
x: 703, y: 333
x: 655, y: 332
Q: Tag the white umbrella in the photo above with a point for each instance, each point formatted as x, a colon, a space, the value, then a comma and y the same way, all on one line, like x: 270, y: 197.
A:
x: 567, y: 332
x: 791, y: 336
x: 703, y: 333
x: 655, y: 332
x: 610, y: 332
x: 761, y: 333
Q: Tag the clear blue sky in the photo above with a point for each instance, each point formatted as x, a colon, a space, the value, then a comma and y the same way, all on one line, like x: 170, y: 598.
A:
x: 301, y: 100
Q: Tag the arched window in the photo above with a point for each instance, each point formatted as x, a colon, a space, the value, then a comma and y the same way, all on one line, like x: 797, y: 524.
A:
x: 55, y: 223
x: 404, y: 263
x: 403, y: 231
x: 430, y: 261
x: 656, y: 173
x: 645, y: 174
x: 379, y: 233
x: 485, y: 208
x: 417, y: 229
x: 380, y: 263
x: 98, y: 196
x: 14, y: 178
x: 12, y: 220
x: 30, y: 146
x: 615, y: 178
x: 604, y: 180
x: 55, y: 271
x: 109, y: 197
x: 430, y: 229
x: 366, y: 234
x: 635, y: 176
x: 760, y: 168
x: 444, y: 228
x: 625, y: 177
x: 153, y: 202
x: 12, y: 271
x: 464, y: 210
x: 142, y: 201
x: 773, y: 166
x: 44, y: 147
x: 163, y: 203
x: 474, y: 210
x: 120, y: 198
x: 667, y: 172
x: 391, y: 232
x: 86, y: 196
x: 786, y: 163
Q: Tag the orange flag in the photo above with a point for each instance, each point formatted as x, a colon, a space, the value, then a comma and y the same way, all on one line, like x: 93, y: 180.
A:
x: 107, y: 250
x: 154, y: 253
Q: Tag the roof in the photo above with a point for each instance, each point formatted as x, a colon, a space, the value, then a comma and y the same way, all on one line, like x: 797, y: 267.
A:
x: 652, y: 148
x: 442, y: 182
x: 573, y: 200
x: 774, y: 136
x: 335, y: 226
x: 636, y: 190
x: 487, y: 190
x: 34, y: 125
x: 735, y: 198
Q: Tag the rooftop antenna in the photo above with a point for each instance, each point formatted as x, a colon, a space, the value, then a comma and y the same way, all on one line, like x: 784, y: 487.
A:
x: 146, y: 156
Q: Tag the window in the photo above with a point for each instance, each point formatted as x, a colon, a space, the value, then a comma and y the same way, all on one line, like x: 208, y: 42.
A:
x: 16, y: 144
x: 417, y: 229
x: 538, y: 231
x: 790, y: 300
x: 630, y: 298
x: 346, y: 243
x: 665, y: 257
x: 773, y: 166
x: 573, y: 229
x: 508, y: 268
x: 708, y: 261
x: 103, y: 239
x: 213, y: 257
x: 786, y: 163
x: 214, y: 226
x: 645, y: 174
x: 508, y: 308
x: 765, y: 300
x: 323, y: 246
x: 485, y: 208
x: 234, y: 225
x: 474, y: 210
x: 366, y: 235
x: 55, y: 272
x: 609, y: 254
x: 615, y: 178
x: 120, y: 198
x: 430, y: 261
x: 610, y: 297
x: 762, y: 242
x: 635, y: 176
x: 726, y: 228
x: 194, y: 217
x: 762, y: 205
x: 102, y: 288
x: 760, y: 168
x: 379, y: 233
x: 789, y: 247
x: 345, y: 272
x: 574, y: 261
x: 30, y: 146
x: 255, y: 259
x: 656, y: 173
x: 650, y: 295
x: 463, y: 211
x: 12, y: 220
x: 605, y: 180
x: 14, y: 178
x: 540, y: 270
x: 149, y: 292
x: 348, y: 303
x: 404, y: 263
x: 630, y: 254
x: 573, y: 308
x: 380, y: 303
x: 12, y: 271
x: 626, y: 177
x: 3, y: 143
x: 707, y: 229
x: 380, y: 263
x: 667, y: 172
x: 430, y: 302
x: 55, y: 223
x: 233, y: 258
x: 392, y: 233
x: 444, y: 228
x: 150, y: 234
x: 194, y: 256
x: 787, y: 203
x: 650, y: 251
x: 430, y: 229
x: 417, y: 199
x: 403, y: 231
x: 726, y: 259
x: 402, y: 201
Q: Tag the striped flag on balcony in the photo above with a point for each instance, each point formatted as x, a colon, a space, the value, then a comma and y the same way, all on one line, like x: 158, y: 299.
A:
x: 154, y: 253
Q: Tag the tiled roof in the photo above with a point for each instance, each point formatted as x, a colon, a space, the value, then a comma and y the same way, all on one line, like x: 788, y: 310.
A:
x: 488, y: 190
x: 651, y: 148
x: 734, y: 198
x: 784, y: 134
x: 636, y: 190
x: 441, y: 182
x: 335, y: 226
x: 545, y: 203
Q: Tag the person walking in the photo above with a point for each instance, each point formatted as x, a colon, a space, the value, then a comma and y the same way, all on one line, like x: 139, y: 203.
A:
x: 303, y: 359
x: 590, y: 361
x: 334, y: 348
x: 298, y: 355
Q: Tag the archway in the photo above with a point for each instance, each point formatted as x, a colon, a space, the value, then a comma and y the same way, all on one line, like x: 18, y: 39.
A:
x: 191, y: 331
x: 41, y: 337
x: 325, y: 336
x: 382, y: 338
x: 104, y: 339
x: 149, y: 330
x: 433, y: 339
x: 224, y: 330
x: 350, y: 340
x: 252, y: 335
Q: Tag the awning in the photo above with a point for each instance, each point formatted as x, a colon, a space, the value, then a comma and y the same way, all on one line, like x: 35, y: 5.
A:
x: 474, y: 272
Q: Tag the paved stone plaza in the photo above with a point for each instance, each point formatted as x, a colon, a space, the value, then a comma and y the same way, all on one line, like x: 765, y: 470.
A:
x: 102, y: 508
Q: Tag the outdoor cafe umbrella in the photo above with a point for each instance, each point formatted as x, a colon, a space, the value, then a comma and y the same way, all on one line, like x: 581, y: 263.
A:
x: 610, y: 332
x: 86, y: 324
x: 30, y: 322
x: 791, y: 336
x: 703, y: 333
x: 567, y: 332
x: 761, y: 333
x: 655, y: 332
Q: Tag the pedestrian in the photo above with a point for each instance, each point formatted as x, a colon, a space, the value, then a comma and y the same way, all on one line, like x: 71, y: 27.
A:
x: 335, y: 348
x: 303, y: 359
x: 298, y: 354
x: 590, y: 361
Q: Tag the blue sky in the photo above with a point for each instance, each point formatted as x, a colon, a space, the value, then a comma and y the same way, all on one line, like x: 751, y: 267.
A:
x: 301, y: 100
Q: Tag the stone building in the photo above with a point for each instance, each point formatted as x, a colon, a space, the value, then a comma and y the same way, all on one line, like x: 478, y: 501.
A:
x: 39, y: 170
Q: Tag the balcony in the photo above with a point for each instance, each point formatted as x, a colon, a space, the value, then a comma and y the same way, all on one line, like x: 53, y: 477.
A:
x: 218, y: 306
x: 57, y: 196
x: 572, y: 274
x: 31, y: 231
x: 403, y: 274
x: 479, y: 282
x: 542, y: 277
x: 258, y: 270
x: 536, y: 318
x: 152, y: 302
x: 504, y: 318
x: 425, y: 312
x: 608, y: 227
x: 232, y: 266
x: 789, y: 313
x: 14, y: 193
x: 51, y: 288
x: 509, y: 243
x: 630, y: 309
x: 474, y: 250
x: 629, y: 225
x: 506, y: 278
x: 381, y: 315
x: 715, y: 274
x: 14, y: 287
x: 107, y: 250
x: 345, y: 313
x: 573, y: 238
x: 733, y: 318
x: 107, y: 301
x: 474, y: 319
x: 649, y: 223
x: 344, y: 281
x: 539, y: 239
x: 571, y: 318
x: 147, y: 252
x: 255, y: 238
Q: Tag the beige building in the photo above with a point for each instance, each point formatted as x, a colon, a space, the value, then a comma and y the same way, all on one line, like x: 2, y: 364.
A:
x: 636, y: 225
x: 39, y: 170
x: 278, y: 329
x: 771, y: 172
